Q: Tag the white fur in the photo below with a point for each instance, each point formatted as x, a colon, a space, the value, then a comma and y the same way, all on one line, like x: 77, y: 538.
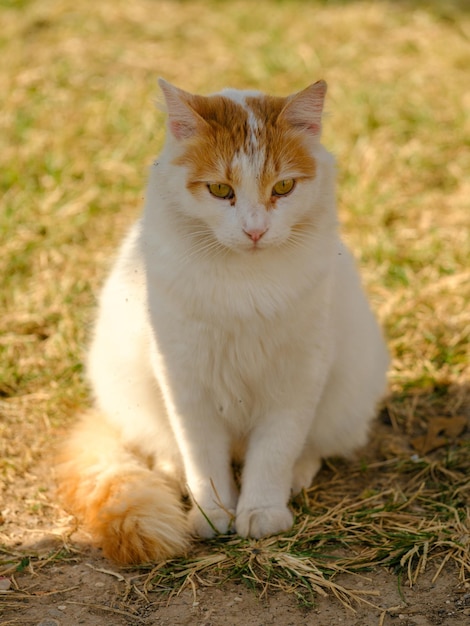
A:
x: 207, y: 346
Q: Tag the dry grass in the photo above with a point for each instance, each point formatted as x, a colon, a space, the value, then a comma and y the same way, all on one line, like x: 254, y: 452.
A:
x: 78, y: 129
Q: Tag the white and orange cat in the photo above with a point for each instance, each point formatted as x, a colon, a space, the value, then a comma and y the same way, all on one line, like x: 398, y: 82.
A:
x: 233, y: 327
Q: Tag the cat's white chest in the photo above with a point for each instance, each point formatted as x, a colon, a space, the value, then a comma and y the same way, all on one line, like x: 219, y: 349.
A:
x: 243, y: 358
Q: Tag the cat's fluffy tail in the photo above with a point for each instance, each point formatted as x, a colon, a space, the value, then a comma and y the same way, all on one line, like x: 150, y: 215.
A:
x: 132, y: 511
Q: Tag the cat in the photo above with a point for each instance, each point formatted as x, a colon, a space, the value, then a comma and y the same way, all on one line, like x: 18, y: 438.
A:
x: 233, y: 328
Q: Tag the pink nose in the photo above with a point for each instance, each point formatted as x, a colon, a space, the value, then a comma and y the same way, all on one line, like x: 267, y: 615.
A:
x: 255, y: 234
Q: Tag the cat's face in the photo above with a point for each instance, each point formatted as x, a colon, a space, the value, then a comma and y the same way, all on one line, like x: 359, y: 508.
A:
x: 248, y: 162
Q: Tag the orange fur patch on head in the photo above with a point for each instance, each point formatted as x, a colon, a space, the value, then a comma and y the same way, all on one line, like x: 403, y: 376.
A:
x: 284, y: 145
x: 209, y: 154
x: 258, y: 131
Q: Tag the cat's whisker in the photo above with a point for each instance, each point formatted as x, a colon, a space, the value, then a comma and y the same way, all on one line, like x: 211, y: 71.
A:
x: 210, y: 249
x: 299, y: 239
x: 199, y: 243
x: 197, y: 234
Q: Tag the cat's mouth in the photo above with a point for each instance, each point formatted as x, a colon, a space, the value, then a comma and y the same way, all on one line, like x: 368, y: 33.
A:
x: 255, y: 247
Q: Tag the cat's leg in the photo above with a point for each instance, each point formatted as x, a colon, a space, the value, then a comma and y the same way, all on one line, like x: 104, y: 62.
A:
x: 209, y: 475
x: 278, y: 437
x: 213, y: 493
x: 182, y: 364
x: 275, y: 444
x: 205, y: 443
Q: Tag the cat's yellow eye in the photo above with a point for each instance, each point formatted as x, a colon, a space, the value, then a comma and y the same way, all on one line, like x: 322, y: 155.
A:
x: 283, y: 187
x: 221, y: 190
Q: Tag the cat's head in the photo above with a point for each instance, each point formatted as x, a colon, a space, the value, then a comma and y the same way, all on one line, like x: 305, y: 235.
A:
x: 249, y: 163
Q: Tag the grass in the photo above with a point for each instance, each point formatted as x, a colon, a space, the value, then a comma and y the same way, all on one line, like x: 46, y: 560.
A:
x: 403, y: 525
x: 78, y: 129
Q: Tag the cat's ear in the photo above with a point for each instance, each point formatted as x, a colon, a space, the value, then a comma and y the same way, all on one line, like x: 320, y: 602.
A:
x: 304, y: 109
x: 183, y: 120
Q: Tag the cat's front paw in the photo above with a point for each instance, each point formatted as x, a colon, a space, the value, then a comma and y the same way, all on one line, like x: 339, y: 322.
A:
x: 208, y: 522
x: 263, y: 521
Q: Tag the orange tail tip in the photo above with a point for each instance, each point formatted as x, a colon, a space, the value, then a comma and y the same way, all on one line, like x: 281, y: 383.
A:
x: 132, y: 512
x: 140, y: 521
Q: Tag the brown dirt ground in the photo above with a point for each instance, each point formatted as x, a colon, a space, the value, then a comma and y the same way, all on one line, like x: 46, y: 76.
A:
x: 78, y: 586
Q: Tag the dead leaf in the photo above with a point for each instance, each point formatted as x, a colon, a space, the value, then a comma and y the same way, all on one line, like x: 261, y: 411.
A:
x: 440, y: 431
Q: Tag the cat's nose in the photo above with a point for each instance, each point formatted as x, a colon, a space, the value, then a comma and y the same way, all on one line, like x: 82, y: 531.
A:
x: 255, y: 234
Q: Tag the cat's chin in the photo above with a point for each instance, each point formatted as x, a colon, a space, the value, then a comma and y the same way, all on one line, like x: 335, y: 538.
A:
x: 254, y: 250
x: 244, y: 249
x: 257, y: 247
